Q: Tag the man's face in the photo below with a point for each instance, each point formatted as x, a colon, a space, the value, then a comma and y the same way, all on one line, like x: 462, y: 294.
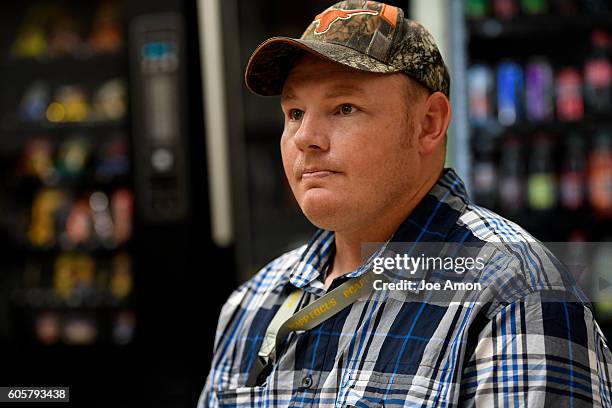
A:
x: 349, y: 146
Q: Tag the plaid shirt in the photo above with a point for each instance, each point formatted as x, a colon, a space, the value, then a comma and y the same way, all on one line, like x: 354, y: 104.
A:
x: 512, y: 350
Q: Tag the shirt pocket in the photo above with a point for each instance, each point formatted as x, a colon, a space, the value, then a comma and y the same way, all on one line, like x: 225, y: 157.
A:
x: 372, y: 389
x: 241, y: 396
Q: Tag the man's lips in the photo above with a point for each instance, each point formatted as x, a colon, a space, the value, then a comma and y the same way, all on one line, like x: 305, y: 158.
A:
x: 316, y: 174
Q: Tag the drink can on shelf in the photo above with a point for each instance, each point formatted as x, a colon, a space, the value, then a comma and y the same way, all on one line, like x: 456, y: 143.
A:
x: 539, y: 89
x: 480, y: 94
x: 509, y: 92
x: 570, y: 105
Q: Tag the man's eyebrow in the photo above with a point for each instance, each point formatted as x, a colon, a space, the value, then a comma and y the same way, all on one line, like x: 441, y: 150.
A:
x: 287, y: 95
x: 334, y: 92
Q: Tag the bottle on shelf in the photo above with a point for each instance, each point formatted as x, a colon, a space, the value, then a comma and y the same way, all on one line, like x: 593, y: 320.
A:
x: 104, y: 226
x: 477, y: 8
x: 47, y: 327
x: 124, y: 327
x: 34, y: 101
x: 480, y: 94
x: 73, y: 156
x: 485, y: 170
x: 511, y: 176
x: 532, y: 7
x: 505, y: 9
x: 568, y: 90
x: 80, y: 329
x: 42, y: 231
x: 509, y: 92
x: 106, y: 35
x: 37, y: 160
x: 64, y: 38
x: 598, y: 75
x: 573, y: 173
x: 541, y: 180
x: 539, y: 90
x: 600, y: 174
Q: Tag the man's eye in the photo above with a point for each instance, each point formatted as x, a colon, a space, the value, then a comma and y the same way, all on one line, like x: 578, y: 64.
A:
x: 295, y: 114
x: 347, y: 109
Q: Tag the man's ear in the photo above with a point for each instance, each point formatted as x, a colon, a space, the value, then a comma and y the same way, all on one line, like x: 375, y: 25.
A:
x: 434, y: 122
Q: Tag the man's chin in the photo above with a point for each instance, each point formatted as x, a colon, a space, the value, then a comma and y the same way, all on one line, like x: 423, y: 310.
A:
x: 322, y: 215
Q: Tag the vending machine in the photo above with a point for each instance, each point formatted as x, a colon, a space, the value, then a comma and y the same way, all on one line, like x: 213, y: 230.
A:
x: 111, y: 279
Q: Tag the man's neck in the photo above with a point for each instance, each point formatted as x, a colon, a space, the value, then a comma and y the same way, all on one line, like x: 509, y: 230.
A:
x: 348, y: 255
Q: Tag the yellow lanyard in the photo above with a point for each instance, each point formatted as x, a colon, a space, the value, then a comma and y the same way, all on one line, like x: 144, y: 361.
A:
x: 286, y: 321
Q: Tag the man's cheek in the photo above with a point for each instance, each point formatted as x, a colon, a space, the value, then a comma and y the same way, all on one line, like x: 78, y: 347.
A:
x: 288, y: 163
x: 363, y: 168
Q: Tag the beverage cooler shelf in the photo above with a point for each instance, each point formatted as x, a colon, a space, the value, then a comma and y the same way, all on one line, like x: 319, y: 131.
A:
x: 64, y: 62
x: 94, y: 249
x: 539, y: 120
x: 536, y: 26
x: 91, y: 326
x: 87, y: 181
x: 25, y: 128
x: 49, y: 299
x: 546, y: 225
x: 493, y: 127
x: 73, y: 295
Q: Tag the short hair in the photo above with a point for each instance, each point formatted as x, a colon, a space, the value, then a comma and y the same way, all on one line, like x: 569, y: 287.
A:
x: 412, y: 91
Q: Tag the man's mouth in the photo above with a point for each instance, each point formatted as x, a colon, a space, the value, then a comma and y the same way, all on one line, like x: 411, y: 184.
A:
x: 316, y: 174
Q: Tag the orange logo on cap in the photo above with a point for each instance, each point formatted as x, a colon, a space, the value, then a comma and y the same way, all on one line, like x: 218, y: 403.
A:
x: 330, y: 16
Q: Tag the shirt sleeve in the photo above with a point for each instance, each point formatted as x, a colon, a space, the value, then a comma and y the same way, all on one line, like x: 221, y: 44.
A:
x: 539, y: 354
x: 207, y: 397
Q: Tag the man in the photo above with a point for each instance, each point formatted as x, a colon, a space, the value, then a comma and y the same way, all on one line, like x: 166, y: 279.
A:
x: 365, y: 95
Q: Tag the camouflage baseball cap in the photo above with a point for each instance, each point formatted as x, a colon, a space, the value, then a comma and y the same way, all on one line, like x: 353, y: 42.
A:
x: 365, y: 35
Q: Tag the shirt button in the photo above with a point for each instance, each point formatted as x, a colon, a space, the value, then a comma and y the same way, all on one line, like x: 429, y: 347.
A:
x: 307, y: 381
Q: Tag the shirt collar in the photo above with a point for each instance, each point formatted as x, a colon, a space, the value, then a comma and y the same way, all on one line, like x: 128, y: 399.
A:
x: 430, y: 221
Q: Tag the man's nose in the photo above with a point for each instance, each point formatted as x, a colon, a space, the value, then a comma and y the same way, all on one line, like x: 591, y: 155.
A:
x: 312, y: 133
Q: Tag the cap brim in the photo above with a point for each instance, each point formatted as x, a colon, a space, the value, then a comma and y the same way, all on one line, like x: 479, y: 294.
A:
x: 271, y: 62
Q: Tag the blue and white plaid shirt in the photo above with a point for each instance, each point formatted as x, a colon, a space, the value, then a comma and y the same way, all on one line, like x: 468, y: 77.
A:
x: 513, y: 349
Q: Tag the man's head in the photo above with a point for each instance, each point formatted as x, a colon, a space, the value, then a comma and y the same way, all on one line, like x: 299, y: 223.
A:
x: 361, y: 137
x: 353, y: 148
